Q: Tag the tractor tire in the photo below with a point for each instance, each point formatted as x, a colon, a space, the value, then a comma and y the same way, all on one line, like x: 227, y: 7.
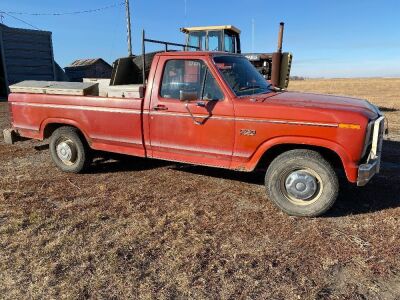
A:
x: 138, y: 62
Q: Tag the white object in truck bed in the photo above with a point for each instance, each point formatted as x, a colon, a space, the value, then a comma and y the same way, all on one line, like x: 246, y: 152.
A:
x: 126, y: 91
x: 104, y: 83
x: 55, y: 88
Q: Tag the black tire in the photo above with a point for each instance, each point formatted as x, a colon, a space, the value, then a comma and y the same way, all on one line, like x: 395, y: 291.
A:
x: 302, y: 183
x: 77, y: 158
x: 129, y: 70
x: 148, y: 60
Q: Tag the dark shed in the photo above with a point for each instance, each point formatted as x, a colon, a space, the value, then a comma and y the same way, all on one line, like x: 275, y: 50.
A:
x: 88, y: 68
x: 25, y: 55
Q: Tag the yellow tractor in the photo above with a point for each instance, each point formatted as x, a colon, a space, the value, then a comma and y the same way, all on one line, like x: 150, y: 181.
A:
x: 275, y: 66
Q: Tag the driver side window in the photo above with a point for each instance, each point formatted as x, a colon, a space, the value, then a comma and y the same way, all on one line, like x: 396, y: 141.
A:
x: 188, y: 76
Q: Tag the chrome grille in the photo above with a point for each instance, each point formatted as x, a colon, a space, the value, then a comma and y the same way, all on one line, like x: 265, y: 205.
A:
x: 377, y: 139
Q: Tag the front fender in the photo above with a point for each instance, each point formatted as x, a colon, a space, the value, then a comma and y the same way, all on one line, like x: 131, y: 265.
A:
x: 349, y: 166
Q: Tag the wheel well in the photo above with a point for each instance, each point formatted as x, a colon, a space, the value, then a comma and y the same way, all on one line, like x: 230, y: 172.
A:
x: 331, y: 156
x: 50, y: 128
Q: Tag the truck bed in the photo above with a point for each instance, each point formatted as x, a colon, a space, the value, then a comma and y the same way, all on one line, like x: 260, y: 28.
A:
x: 56, y: 88
x: 111, y: 124
x: 87, y: 88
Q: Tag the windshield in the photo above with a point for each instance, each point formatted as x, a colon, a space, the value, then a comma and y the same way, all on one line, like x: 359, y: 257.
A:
x: 241, y: 76
x: 229, y: 42
x: 197, y: 39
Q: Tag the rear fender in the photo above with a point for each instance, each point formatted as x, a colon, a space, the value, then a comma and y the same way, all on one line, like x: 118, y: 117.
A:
x: 67, y: 122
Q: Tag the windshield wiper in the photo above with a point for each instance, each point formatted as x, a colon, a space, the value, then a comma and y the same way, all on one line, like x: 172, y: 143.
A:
x: 275, y: 89
x: 245, y: 88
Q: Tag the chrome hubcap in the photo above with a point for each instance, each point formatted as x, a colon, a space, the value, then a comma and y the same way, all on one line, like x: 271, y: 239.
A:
x: 66, y: 152
x: 301, y: 185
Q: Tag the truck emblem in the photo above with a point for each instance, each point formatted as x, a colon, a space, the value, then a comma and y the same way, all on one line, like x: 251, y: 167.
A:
x: 248, y: 132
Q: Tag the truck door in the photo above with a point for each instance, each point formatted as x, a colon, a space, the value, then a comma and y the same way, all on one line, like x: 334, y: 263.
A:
x: 199, y: 131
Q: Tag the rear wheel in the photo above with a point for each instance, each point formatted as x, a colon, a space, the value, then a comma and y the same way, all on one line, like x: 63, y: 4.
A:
x: 302, y: 183
x: 68, y: 150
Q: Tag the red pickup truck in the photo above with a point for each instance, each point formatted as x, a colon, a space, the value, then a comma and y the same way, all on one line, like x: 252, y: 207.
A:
x: 215, y: 109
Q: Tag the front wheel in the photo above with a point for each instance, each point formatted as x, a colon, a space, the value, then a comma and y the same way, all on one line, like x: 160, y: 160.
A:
x: 302, y: 183
x: 68, y: 150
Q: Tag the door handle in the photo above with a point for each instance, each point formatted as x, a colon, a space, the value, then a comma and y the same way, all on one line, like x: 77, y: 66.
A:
x: 160, y: 107
x: 201, y: 104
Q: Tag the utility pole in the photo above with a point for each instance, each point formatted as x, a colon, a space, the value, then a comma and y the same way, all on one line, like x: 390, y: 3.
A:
x: 128, y: 27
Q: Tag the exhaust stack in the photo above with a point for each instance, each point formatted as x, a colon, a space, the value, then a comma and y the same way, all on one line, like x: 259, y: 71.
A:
x: 280, y: 36
x: 276, y: 58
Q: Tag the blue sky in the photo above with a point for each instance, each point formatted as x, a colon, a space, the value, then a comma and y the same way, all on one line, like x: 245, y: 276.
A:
x: 336, y: 38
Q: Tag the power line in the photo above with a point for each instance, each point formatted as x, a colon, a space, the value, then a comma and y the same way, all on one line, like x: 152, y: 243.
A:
x: 26, y: 23
x: 65, y: 13
x: 11, y: 13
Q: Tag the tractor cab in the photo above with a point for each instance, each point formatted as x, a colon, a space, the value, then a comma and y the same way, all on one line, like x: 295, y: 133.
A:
x: 275, y: 66
x: 214, y: 38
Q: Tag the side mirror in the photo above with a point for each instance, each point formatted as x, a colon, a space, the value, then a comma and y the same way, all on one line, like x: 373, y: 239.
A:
x: 188, y: 95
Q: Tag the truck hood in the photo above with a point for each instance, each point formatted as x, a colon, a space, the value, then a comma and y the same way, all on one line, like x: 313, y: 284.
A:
x: 319, y: 101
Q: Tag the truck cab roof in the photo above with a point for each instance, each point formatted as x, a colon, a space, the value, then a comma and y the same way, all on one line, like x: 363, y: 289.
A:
x: 196, y: 53
x: 205, y: 28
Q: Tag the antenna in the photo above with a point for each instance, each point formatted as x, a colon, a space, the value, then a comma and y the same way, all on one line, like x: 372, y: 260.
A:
x: 185, y: 13
x: 128, y: 27
x: 252, y: 34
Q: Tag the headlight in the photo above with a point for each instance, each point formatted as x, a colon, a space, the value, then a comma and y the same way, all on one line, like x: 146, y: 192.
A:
x: 368, y: 138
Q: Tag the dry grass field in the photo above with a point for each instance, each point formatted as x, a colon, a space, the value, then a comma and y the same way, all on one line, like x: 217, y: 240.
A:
x: 384, y: 92
x: 145, y: 229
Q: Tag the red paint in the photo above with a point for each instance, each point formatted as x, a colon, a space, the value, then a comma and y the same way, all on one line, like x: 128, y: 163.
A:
x: 132, y: 126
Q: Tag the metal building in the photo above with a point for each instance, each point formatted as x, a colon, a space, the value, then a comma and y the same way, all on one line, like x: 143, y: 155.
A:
x: 88, y: 68
x: 25, y: 55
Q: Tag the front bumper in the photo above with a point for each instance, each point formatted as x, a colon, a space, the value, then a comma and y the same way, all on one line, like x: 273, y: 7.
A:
x: 367, y: 170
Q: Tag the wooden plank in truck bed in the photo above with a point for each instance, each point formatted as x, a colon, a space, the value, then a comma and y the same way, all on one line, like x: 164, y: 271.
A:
x: 56, y: 88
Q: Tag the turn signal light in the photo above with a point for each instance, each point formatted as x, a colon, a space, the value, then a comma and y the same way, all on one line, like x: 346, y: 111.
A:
x: 349, y: 126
